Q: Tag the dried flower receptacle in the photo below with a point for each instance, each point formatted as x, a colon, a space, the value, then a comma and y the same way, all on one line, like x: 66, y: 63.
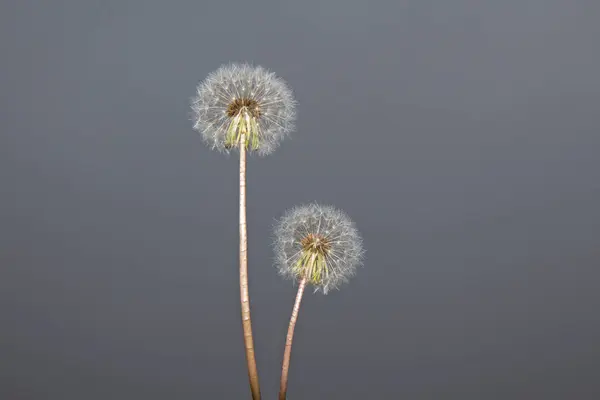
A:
x: 312, y: 264
x: 244, y: 114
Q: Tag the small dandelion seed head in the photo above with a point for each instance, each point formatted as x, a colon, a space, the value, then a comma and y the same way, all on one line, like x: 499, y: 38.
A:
x: 244, y: 98
x: 319, y: 243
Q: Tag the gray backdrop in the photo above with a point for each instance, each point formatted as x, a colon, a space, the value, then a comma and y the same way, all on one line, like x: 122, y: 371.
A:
x: 461, y: 136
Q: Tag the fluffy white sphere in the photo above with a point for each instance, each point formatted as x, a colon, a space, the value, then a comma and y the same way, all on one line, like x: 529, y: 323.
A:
x: 272, y: 104
x: 309, y: 232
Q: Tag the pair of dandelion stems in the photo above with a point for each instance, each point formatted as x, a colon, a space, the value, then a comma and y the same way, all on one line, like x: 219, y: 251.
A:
x: 250, y: 108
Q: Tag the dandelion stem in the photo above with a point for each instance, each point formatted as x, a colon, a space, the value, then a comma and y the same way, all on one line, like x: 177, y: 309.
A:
x: 244, y: 296
x: 288, y: 342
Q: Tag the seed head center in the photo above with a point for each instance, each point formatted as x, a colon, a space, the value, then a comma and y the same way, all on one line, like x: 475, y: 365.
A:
x: 243, y: 105
x: 316, y: 244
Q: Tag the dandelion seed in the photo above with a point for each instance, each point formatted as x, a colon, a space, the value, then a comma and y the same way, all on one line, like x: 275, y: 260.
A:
x: 316, y: 245
x: 248, y: 108
x: 241, y: 99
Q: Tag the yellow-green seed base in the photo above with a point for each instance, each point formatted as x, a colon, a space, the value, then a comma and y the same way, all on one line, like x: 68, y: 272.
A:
x: 243, y: 122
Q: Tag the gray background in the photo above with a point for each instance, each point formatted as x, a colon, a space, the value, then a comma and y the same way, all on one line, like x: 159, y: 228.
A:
x: 461, y: 136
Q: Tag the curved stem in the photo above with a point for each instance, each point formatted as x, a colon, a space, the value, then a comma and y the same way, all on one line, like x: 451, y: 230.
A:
x: 244, y: 296
x: 288, y: 341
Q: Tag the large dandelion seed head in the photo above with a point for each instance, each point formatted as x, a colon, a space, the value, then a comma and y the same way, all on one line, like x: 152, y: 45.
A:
x: 319, y: 243
x: 241, y: 98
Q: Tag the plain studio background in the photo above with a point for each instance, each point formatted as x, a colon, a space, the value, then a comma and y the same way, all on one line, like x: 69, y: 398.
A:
x: 461, y: 136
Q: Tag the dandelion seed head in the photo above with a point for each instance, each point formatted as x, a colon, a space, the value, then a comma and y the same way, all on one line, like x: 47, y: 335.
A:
x: 244, y: 98
x: 319, y: 243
